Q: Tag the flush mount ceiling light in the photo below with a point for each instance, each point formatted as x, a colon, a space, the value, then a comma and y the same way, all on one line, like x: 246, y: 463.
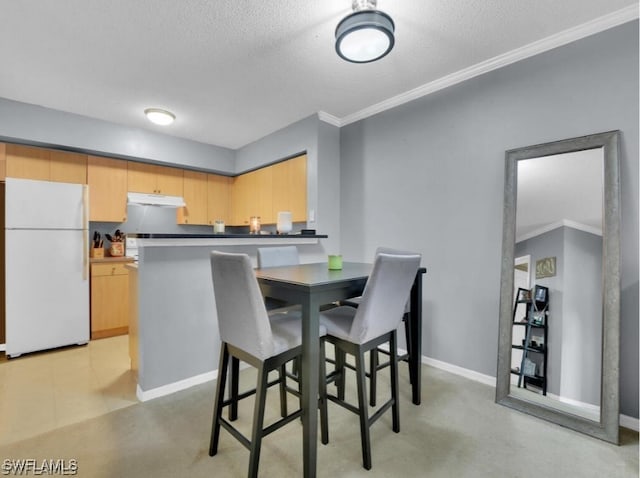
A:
x: 158, y: 116
x: 365, y: 35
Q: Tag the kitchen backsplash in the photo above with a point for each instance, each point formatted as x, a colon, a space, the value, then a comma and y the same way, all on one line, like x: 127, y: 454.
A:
x: 162, y: 220
x: 149, y: 219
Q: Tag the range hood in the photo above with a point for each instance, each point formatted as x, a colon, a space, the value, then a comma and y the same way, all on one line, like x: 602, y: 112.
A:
x: 144, y: 199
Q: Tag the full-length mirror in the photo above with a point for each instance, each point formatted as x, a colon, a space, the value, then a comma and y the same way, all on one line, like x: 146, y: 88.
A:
x: 559, y: 312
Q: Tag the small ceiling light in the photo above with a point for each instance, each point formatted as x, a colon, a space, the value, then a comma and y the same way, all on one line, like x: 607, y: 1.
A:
x: 365, y: 35
x: 158, y: 116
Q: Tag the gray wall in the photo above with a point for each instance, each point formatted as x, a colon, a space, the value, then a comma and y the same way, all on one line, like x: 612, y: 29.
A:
x: 428, y: 176
x: 21, y: 122
x: 582, y: 316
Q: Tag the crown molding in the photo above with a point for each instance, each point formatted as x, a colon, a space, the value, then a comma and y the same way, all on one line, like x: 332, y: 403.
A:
x: 555, y: 225
x: 329, y: 118
x: 592, y: 27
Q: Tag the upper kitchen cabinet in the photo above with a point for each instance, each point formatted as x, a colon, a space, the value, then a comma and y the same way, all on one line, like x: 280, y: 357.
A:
x: 265, y: 191
x: 3, y: 161
x: 27, y: 162
x: 154, y: 179
x: 107, y: 179
x: 252, y: 195
x: 264, y: 195
x: 290, y: 188
x: 242, y: 199
x: 195, y: 197
x: 218, y: 197
x: 45, y: 165
x: 68, y: 167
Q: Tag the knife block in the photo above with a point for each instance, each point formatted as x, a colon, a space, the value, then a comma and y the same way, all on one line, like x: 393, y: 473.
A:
x: 96, y: 252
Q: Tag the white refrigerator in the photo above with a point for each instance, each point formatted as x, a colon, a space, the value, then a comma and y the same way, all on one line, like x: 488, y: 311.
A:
x: 46, y: 265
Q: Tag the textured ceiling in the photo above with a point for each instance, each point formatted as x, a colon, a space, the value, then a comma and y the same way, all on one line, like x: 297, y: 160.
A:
x: 235, y: 71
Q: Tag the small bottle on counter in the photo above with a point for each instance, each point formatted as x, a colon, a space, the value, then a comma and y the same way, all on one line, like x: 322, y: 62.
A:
x: 218, y: 226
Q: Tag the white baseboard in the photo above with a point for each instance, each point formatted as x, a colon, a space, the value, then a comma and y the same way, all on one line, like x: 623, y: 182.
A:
x: 3, y: 347
x: 625, y: 421
x: 630, y: 422
x: 144, y: 395
x: 463, y: 372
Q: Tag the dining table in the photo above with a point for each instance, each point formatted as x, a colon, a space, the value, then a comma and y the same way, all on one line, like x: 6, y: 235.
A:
x: 313, y: 286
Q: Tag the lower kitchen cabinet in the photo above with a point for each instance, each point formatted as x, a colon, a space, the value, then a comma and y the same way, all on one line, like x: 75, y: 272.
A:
x: 109, y: 299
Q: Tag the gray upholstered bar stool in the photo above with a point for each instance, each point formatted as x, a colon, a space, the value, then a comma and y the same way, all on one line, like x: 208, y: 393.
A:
x: 374, y: 363
x: 268, y: 257
x: 249, y: 334
x: 356, y: 331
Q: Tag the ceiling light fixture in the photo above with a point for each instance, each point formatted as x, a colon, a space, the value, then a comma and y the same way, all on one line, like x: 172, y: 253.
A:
x: 158, y: 116
x: 365, y: 35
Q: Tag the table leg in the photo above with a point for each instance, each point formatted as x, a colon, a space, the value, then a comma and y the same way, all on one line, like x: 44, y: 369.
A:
x: 415, y: 357
x: 310, y: 365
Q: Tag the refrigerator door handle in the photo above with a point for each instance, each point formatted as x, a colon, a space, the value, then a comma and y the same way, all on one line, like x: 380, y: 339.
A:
x: 85, y: 232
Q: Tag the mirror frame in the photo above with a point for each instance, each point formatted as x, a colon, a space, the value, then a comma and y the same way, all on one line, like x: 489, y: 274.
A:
x: 608, y: 427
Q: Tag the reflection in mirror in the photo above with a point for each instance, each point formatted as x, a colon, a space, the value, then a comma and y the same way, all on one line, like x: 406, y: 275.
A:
x: 556, y: 360
x: 558, y: 346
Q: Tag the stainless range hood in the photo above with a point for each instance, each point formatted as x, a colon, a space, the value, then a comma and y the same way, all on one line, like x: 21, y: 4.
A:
x: 161, y: 200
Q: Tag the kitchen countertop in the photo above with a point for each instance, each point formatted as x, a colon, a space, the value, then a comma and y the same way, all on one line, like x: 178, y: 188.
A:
x: 207, y: 240
x: 225, y: 236
x: 94, y: 260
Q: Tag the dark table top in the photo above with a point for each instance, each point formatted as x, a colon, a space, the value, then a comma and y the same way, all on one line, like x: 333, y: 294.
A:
x: 315, y: 274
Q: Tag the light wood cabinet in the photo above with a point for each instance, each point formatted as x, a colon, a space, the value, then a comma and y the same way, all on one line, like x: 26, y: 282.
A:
x: 107, y: 179
x: 154, y: 179
x: 68, y: 167
x: 264, y: 192
x: 264, y: 195
x: 169, y: 180
x: 242, y: 199
x: 109, y: 299
x: 195, y: 196
x: 218, y: 198
x: 298, y: 188
x: 28, y: 162
x: 3, y: 161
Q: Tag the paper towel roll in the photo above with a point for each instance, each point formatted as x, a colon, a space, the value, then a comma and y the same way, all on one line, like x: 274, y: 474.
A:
x: 284, y: 222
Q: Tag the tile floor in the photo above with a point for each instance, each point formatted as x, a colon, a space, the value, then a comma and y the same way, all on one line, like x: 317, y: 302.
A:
x: 40, y: 392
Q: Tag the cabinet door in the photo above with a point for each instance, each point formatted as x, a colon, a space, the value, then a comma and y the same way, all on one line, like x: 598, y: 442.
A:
x: 195, y: 195
x: 290, y: 188
x: 27, y: 162
x: 3, y: 161
x: 68, y: 167
x: 218, y: 196
x: 107, y: 179
x: 242, y: 200
x: 169, y: 181
x: 264, y: 195
x: 109, y: 300
x: 281, y: 187
x: 298, y: 188
x: 141, y: 177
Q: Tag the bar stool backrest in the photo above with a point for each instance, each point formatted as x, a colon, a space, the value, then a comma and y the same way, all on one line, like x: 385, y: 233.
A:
x: 385, y: 296
x: 242, y: 316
